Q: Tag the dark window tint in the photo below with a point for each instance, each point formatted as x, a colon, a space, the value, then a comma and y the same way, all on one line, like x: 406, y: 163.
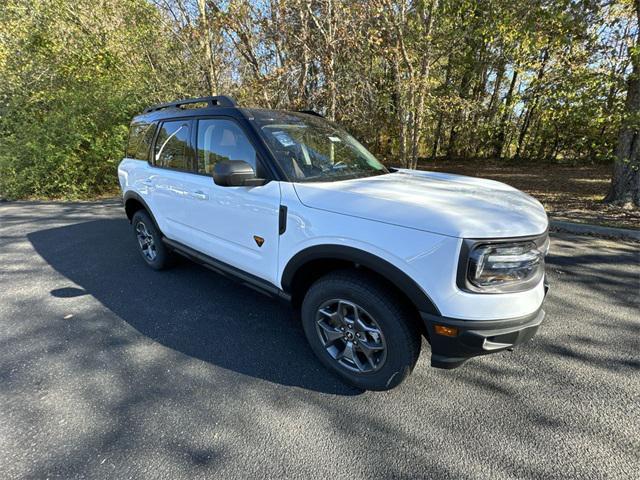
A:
x: 172, y: 145
x: 140, y: 138
x: 222, y: 140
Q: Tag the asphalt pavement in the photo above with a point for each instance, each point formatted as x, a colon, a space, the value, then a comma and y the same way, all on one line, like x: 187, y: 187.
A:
x: 111, y: 370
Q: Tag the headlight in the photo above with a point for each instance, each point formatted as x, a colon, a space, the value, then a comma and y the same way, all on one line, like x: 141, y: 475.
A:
x: 504, y: 267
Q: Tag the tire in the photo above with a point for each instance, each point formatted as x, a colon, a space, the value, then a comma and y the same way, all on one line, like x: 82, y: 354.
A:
x: 155, y: 254
x: 328, y: 318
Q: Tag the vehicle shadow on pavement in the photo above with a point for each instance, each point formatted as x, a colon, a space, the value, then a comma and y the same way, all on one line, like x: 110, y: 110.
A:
x: 590, y: 268
x: 187, y: 308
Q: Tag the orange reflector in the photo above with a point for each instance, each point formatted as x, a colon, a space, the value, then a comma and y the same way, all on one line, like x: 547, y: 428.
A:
x: 446, y: 331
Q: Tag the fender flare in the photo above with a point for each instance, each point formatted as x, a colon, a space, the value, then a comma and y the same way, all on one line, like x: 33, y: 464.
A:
x: 372, y: 262
x: 131, y: 195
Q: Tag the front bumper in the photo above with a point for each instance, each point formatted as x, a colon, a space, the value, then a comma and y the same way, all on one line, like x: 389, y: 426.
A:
x: 477, y: 337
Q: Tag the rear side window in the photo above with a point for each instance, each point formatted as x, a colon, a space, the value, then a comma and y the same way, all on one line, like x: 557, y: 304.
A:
x: 172, y: 145
x: 140, y: 138
x: 219, y: 140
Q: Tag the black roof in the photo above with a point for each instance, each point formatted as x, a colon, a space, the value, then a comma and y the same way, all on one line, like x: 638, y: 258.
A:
x: 218, y: 101
x: 218, y: 105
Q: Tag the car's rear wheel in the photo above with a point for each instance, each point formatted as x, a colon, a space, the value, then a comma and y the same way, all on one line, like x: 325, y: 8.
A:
x: 360, y: 330
x: 150, y: 245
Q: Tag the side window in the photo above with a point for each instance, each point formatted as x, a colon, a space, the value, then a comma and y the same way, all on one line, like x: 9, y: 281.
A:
x: 172, y: 145
x: 140, y: 138
x: 222, y: 140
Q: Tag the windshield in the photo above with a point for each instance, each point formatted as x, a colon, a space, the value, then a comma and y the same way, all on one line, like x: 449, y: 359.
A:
x: 310, y: 148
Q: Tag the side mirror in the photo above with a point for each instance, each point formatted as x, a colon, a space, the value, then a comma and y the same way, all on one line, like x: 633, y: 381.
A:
x: 235, y: 173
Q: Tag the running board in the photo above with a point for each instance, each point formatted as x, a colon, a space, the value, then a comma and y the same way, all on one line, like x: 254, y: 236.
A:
x: 251, y: 281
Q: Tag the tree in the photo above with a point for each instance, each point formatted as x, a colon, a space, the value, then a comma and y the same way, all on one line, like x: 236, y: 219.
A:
x: 625, y: 182
x: 497, y: 79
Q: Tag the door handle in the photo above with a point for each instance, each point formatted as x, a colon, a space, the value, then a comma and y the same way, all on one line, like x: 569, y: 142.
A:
x: 199, y: 195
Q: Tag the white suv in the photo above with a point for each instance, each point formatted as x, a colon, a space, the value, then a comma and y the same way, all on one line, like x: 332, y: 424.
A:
x: 374, y: 258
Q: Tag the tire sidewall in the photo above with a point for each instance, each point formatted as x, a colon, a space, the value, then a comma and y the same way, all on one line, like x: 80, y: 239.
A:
x: 399, y: 359
x: 160, y: 260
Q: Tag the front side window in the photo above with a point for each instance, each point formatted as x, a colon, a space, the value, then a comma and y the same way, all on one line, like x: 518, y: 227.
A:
x: 310, y: 148
x: 220, y: 140
x: 172, y: 145
x: 140, y: 138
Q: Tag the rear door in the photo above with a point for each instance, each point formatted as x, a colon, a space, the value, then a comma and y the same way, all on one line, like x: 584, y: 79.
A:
x: 172, y: 160
x: 236, y: 225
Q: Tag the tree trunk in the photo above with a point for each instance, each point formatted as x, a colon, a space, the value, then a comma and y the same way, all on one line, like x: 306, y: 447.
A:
x: 302, y: 99
x: 331, y: 61
x: 523, y: 130
x: 493, y: 102
x: 438, y: 134
x: 474, y: 140
x: 453, y: 150
x: 625, y: 182
x: 427, y: 20
x: 534, y: 103
x: 210, y: 65
x: 500, y: 137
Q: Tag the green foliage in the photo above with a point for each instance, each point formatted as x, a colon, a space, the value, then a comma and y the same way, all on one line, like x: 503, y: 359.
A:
x: 537, y: 80
x: 72, y: 78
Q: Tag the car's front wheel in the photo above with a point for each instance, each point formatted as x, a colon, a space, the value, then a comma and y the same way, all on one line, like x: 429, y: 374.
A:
x: 360, y: 330
x: 150, y: 245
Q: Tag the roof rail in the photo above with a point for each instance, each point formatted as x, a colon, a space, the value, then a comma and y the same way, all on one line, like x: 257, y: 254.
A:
x: 219, y: 101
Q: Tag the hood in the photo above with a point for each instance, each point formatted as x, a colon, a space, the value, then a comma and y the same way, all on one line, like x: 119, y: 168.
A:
x: 443, y: 203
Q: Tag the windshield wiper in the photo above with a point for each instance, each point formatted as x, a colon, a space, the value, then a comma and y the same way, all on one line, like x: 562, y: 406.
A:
x: 347, y: 176
x: 376, y: 173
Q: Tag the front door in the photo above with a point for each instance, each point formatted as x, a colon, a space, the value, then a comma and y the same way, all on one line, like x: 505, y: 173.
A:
x: 236, y: 225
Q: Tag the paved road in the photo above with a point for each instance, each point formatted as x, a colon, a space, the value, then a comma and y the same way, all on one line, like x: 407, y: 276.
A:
x: 111, y: 370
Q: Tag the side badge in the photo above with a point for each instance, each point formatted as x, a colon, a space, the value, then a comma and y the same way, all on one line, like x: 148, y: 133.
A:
x: 259, y: 240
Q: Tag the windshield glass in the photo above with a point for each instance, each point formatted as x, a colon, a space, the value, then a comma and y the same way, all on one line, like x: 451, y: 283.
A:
x: 309, y: 148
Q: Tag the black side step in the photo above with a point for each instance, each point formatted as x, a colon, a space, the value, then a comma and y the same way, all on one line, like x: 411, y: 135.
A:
x: 251, y: 281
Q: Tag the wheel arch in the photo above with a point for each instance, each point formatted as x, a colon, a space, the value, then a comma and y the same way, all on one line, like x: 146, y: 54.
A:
x: 134, y: 202
x: 313, y: 262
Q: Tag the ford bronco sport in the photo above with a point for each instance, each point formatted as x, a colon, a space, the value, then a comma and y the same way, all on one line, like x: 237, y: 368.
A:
x: 374, y: 258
